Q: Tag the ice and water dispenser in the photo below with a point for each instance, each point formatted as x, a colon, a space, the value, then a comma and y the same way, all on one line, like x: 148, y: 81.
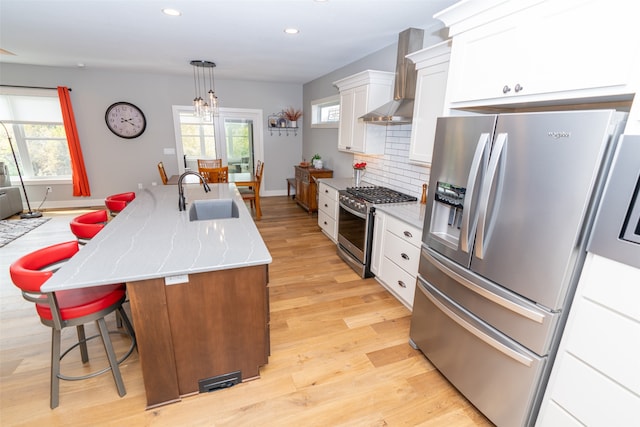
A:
x: 446, y: 217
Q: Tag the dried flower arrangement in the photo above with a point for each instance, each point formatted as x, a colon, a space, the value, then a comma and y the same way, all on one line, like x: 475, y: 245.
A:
x: 292, y: 114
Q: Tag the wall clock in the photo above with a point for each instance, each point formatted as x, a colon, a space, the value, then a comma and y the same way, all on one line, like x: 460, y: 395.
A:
x: 125, y: 120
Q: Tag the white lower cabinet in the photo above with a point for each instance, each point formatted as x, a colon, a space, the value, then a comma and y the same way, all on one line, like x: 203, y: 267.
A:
x: 595, y: 380
x: 328, y: 210
x: 395, y: 256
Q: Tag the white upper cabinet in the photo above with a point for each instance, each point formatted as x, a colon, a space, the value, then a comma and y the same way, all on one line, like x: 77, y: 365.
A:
x: 535, y: 51
x: 432, y: 66
x: 359, y: 94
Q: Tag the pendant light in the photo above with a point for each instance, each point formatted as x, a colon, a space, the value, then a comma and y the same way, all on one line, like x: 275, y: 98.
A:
x: 204, y: 107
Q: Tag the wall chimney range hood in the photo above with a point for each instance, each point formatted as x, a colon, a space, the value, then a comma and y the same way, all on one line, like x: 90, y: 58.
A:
x: 400, y: 110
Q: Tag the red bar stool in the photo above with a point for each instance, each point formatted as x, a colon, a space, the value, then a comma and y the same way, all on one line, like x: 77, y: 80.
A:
x: 74, y: 307
x: 117, y: 202
x: 86, y: 226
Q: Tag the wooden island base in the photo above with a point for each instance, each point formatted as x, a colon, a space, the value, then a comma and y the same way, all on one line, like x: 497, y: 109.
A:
x: 214, y: 324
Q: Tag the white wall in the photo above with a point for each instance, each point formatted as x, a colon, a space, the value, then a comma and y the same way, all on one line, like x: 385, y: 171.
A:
x: 116, y: 165
x: 393, y: 169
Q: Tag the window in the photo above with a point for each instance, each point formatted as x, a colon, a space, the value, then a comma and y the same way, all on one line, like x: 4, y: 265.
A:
x: 195, y: 136
x: 325, y: 112
x: 235, y: 136
x: 34, y: 122
x: 239, y: 136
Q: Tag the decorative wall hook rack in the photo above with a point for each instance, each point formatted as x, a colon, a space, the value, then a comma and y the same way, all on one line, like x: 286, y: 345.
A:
x: 278, y: 123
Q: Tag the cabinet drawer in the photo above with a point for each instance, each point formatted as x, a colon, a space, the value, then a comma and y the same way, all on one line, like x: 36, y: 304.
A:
x: 406, y: 232
x: 398, y: 281
x: 327, y: 224
x: 330, y: 192
x: 404, y: 254
x: 328, y: 205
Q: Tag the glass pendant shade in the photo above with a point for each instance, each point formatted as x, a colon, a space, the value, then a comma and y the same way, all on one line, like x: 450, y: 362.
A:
x: 202, y: 108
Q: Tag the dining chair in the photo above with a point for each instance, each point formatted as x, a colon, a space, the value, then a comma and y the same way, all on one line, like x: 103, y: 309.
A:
x: 74, y: 307
x: 163, y: 173
x: 117, y: 202
x: 209, y: 163
x: 215, y: 175
x: 252, y: 194
x: 87, y: 225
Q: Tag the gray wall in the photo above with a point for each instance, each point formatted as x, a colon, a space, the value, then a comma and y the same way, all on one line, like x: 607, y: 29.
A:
x: 116, y: 165
x: 325, y: 141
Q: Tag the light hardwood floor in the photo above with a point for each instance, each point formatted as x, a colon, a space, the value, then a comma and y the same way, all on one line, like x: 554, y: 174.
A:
x: 339, y: 351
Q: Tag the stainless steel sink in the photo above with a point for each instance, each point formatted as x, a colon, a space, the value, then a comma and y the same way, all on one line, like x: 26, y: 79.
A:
x: 202, y: 210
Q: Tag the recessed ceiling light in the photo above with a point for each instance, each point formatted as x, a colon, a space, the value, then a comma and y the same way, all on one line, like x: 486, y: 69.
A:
x: 291, y: 30
x: 171, y: 12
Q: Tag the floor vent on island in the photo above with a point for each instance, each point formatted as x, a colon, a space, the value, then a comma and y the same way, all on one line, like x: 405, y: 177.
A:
x: 220, y: 381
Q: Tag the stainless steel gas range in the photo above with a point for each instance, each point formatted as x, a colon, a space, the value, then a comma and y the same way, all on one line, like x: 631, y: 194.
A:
x: 355, y: 223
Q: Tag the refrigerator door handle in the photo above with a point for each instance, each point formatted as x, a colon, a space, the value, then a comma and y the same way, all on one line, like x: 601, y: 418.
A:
x: 458, y: 318
x: 509, y: 305
x: 480, y: 159
x: 494, y: 162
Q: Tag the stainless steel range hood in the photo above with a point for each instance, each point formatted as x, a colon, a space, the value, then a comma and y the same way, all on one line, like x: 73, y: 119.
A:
x: 400, y: 110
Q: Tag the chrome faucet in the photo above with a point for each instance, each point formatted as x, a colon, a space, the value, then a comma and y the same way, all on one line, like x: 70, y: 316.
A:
x: 182, y: 203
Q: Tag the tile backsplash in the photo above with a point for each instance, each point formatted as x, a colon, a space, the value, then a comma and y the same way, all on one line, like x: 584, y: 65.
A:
x: 392, y: 169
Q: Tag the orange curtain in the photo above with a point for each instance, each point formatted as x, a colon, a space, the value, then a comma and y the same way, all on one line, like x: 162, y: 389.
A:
x: 78, y: 171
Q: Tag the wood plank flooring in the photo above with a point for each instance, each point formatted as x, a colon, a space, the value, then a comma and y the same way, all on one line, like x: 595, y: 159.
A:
x: 339, y: 351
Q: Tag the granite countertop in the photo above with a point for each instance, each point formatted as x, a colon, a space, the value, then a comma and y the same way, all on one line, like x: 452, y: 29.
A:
x: 151, y: 239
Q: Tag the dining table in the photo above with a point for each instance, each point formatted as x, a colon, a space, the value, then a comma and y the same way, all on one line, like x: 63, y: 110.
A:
x: 240, y: 179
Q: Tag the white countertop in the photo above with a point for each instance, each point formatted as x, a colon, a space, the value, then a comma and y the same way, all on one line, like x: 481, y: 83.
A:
x: 151, y: 238
x: 411, y: 212
x: 338, y: 183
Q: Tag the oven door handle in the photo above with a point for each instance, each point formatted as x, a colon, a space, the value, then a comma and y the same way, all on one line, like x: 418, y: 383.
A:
x: 351, y: 211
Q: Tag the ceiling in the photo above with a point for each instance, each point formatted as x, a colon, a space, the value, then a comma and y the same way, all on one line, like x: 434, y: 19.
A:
x: 245, y: 38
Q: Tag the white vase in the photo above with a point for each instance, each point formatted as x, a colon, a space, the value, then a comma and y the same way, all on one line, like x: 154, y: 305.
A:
x: 294, y: 123
x: 317, y: 163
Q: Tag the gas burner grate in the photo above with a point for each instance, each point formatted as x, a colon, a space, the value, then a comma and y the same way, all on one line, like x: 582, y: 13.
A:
x: 374, y: 194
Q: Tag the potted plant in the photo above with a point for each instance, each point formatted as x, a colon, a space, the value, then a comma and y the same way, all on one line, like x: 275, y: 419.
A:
x: 316, y: 161
x: 292, y: 115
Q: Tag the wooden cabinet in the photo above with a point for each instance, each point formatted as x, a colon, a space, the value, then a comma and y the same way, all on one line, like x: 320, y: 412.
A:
x: 359, y: 94
x: 587, y: 51
x: 328, y: 210
x: 432, y: 65
x: 396, y: 255
x: 306, y: 189
x: 213, y: 324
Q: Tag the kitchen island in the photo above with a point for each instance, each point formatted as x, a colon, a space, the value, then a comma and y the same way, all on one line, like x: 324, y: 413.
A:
x: 198, y: 289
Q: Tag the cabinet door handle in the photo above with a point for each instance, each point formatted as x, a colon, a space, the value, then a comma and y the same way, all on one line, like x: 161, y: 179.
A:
x: 405, y: 256
x: 518, y: 88
x: 325, y: 222
x: 326, y: 205
x: 401, y: 284
x: 506, y: 89
x: 408, y: 234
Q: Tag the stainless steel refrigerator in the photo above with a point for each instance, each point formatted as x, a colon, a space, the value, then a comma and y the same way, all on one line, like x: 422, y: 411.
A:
x: 511, y: 202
